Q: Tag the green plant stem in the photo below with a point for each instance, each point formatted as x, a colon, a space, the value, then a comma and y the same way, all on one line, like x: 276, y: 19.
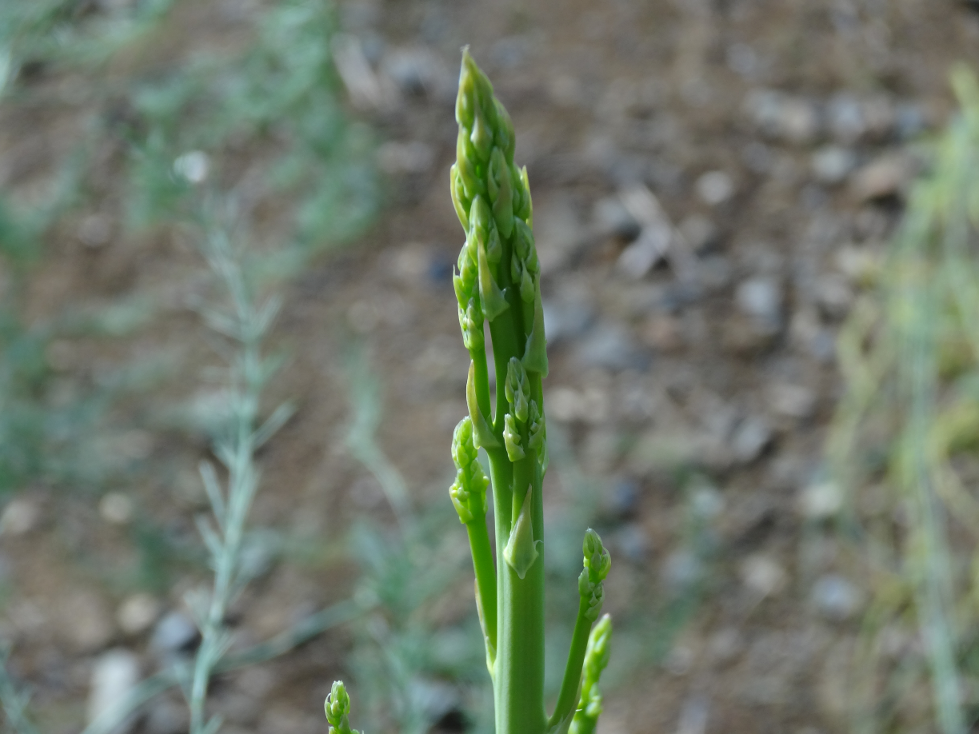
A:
x: 567, y: 699
x: 482, y: 553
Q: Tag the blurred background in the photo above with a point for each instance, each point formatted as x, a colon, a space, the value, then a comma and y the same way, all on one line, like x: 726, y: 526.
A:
x: 756, y: 221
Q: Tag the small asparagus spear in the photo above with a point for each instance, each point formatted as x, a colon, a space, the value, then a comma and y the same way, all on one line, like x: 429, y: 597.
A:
x: 337, y: 708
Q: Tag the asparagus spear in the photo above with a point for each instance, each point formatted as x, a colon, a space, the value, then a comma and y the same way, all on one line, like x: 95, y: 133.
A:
x: 498, y: 281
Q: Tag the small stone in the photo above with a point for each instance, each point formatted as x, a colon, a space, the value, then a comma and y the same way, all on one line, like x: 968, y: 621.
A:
x: 832, y: 164
x: 715, y: 187
x: 820, y: 501
x: 699, y: 233
x: 833, y: 295
x: 86, y: 620
x: 114, y: 675
x: 761, y: 298
x: 413, y: 157
x: 845, y: 118
x: 909, y: 120
x: 174, y: 633
x: 564, y: 319
x: 137, y: 613
x: 607, y: 346
x: 95, y: 230
x: 20, y: 516
x: 798, y: 121
x: 193, y: 166
x: 416, y: 70
x: 632, y: 542
x: 558, y: 233
x: 663, y: 333
x: 623, y: 499
x: 116, y: 508
x: 763, y: 575
x: 860, y: 265
x: 167, y: 717
x: 885, y: 177
x: 682, y: 570
x: 836, y: 598
x: 725, y: 646
x: 610, y: 218
x: 751, y: 437
x: 792, y: 401
x: 649, y: 249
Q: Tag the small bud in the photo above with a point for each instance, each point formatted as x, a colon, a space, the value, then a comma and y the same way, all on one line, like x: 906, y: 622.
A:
x: 500, y: 192
x: 521, y: 548
x: 536, y: 432
x: 535, y: 351
x: 597, y: 559
x: 489, y: 292
x: 466, y: 166
x: 459, y: 198
x: 483, y: 436
x: 597, y: 563
x: 527, y: 205
x: 506, y: 140
x: 517, y: 389
x: 337, y: 708
x: 464, y: 450
x: 528, y: 289
x: 511, y: 438
x: 494, y: 248
x: 481, y: 136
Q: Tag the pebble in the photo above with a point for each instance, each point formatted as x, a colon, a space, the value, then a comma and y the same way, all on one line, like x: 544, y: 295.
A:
x: 715, y: 187
x: 95, y: 230
x: 20, y: 516
x: 884, y: 177
x: 564, y: 319
x: 682, y: 569
x: 611, y: 218
x: 412, y: 157
x: 836, y: 598
x: 761, y: 298
x: 167, y: 717
x: 632, y: 542
x: 558, y: 233
x: 792, y: 401
x: 833, y: 295
x: 114, y: 675
x: 860, y: 265
x: 640, y: 257
x: 820, y: 501
x: 750, y: 439
x: 416, y: 70
x: 783, y: 117
x: 623, y: 500
x: 116, y: 508
x: 845, y: 118
x: 86, y: 621
x: 137, y: 613
x: 607, y: 345
x: 699, y: 233
x: 832, y: 164
x: 763, y: 575
x: 175, y: 632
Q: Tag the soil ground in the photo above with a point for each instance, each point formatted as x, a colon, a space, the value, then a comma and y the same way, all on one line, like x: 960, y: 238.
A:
x: 773, y: 142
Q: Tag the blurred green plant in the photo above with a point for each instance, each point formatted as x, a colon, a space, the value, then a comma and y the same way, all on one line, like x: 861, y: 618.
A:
x: 904, y: 447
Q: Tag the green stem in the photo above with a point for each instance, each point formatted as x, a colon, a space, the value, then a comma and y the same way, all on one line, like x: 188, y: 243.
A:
x: 567, y: 699
x: 482, y: 554
x: 481, y: 376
